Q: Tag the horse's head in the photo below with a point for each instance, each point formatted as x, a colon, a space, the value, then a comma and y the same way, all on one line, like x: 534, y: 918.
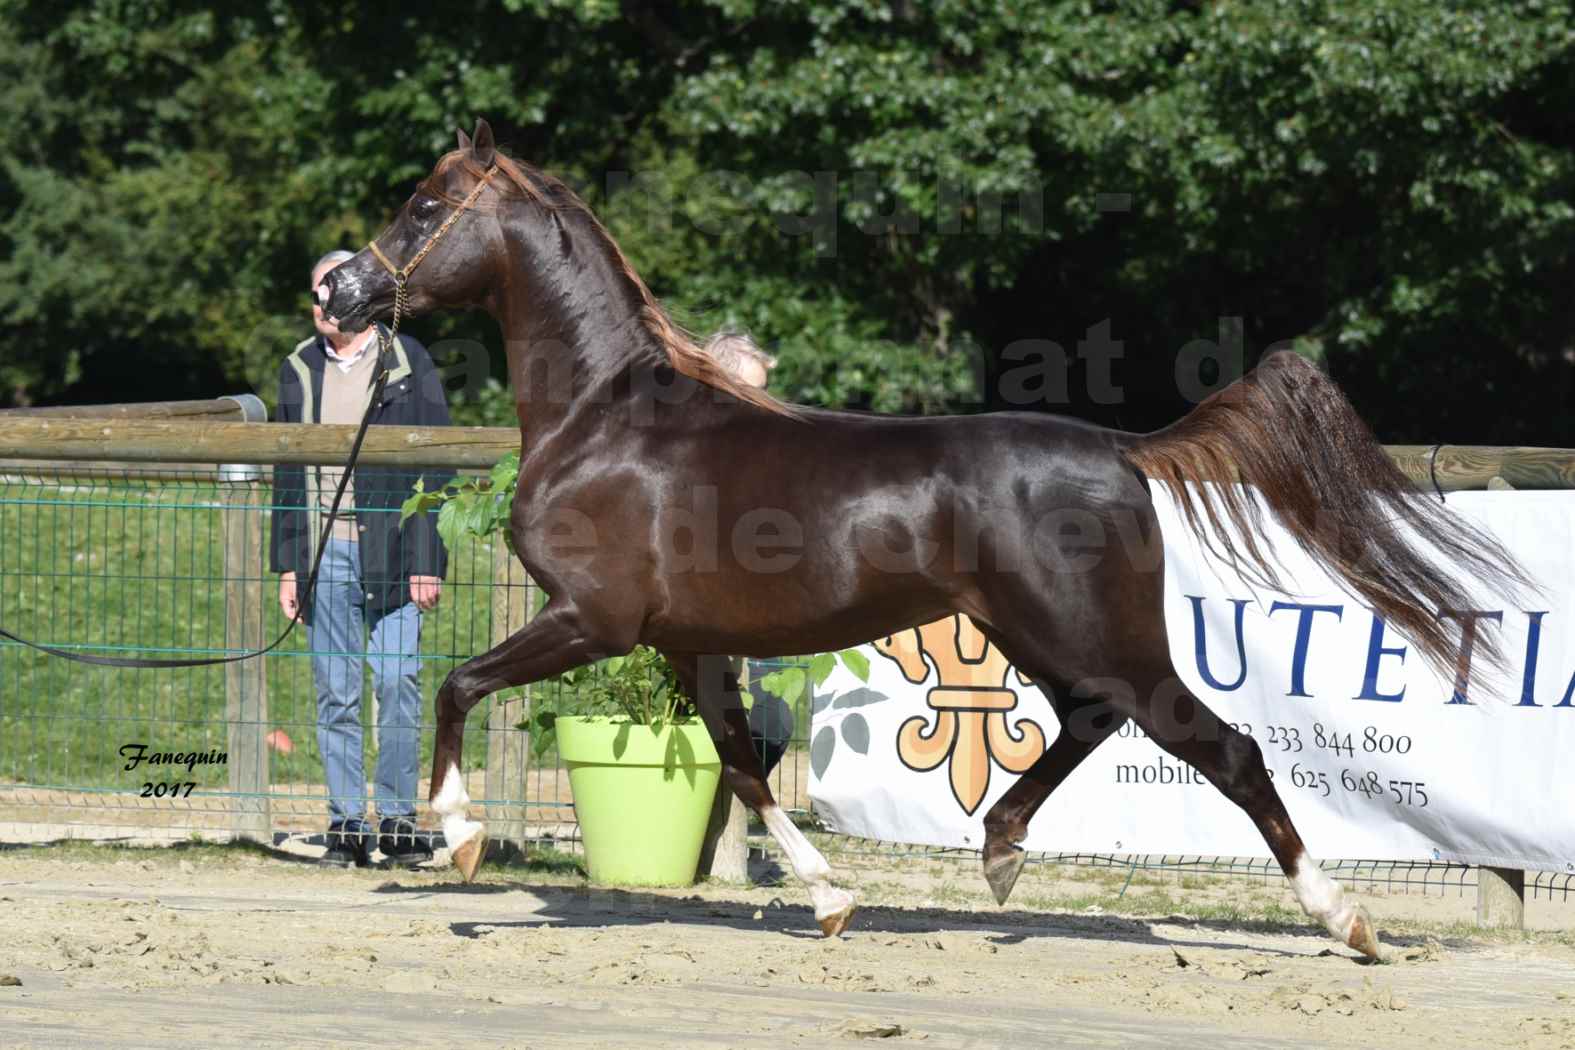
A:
x: 446, y: 266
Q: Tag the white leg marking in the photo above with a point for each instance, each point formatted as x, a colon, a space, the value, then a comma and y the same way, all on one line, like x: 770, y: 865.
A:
x: 450, y: 804
x: 808, y: 864
x: 1322, y: 898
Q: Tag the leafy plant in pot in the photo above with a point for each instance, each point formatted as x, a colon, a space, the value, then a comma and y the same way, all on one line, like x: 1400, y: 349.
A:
x: 642, y: 769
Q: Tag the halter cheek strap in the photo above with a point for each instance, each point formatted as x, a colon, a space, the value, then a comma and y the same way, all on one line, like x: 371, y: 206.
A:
x: 402, y: 274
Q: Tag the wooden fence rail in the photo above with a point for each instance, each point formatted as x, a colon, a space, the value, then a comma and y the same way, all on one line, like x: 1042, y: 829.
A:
x: 237, y: 408
x: 186, y: 441
x: 199, y: 440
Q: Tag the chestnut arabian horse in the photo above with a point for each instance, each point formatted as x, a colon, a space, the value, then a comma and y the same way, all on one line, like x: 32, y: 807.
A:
x: 663, y: 502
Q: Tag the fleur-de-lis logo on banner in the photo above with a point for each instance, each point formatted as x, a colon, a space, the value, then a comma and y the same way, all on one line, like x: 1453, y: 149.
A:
x: 971, y: 705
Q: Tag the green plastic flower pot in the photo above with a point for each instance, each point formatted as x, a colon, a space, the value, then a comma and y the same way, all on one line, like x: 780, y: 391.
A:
x: 643, y: 798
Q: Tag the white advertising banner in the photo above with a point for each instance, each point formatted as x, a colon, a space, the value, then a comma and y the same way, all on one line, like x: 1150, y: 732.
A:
x: 1375, y: 754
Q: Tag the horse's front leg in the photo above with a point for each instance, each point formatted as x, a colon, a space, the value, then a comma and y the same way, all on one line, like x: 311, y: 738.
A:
x: 554, y: 641
x: 714, y: 687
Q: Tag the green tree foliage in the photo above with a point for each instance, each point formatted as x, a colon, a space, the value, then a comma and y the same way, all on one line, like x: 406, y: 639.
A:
x: 917, y: 206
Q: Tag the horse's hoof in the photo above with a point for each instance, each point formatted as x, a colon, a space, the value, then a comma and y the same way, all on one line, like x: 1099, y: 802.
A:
x: 1363, y: 937
x: 834, y: 906
x: 467, y: 858
x: 1001, y: 872
x: 832, y: 925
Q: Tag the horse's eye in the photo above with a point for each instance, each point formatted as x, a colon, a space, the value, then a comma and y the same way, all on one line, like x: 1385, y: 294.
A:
x: 423, y: 206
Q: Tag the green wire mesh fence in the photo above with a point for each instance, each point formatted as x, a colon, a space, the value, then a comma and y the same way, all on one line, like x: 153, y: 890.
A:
x: 173, y: 562
x: 156, y: 562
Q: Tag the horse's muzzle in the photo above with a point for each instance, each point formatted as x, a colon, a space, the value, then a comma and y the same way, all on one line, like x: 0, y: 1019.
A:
x: 343, y: 299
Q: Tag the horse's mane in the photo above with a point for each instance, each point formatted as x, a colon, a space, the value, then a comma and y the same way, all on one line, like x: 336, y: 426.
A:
x: 683, y: 352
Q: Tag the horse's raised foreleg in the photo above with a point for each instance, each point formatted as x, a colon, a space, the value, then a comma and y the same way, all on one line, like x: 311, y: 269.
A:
x: 553, y: 642
x: 1083, y: 728
x: 715, y: 691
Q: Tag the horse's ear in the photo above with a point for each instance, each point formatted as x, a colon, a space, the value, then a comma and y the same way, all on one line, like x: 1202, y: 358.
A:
x: 482, y: 146
x: 464, y: 141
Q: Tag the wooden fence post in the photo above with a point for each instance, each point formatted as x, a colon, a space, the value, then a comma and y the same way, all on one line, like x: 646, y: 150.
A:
x: 725, y: 852
x: 507, y: 747
x: 1501, y: 898
x: 246, y: 681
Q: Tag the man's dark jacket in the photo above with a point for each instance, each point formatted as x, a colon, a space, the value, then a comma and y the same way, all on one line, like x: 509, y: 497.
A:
x: 390, y: 555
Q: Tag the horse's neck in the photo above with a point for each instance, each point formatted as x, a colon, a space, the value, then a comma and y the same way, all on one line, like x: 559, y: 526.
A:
x: 578, y: 345
x: 585, y: 379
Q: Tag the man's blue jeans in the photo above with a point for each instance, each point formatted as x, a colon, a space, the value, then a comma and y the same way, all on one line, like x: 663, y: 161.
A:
x: 339, y: 646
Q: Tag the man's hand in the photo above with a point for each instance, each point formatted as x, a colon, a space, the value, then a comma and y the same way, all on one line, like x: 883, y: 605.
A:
x: 425, y: 591
x: 287, y: 594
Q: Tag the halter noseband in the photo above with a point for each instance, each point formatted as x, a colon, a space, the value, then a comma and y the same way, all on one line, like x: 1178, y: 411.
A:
x: 402, y: 274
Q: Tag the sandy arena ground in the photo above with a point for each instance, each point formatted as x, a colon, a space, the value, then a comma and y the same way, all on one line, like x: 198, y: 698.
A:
x: 209, y: 946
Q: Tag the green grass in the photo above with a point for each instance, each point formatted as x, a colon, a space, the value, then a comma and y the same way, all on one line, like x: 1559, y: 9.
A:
x: 542, y: 864
x: 138, y: 568
x: 207, y: 854
x: 1080, y: 889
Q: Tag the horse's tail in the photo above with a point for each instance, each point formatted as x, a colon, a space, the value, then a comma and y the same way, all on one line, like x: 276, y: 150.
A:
x: 1287, y: 430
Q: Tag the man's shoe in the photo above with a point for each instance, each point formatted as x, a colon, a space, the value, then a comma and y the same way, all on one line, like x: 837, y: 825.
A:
x: 403, y: 843
x: 348, y: 845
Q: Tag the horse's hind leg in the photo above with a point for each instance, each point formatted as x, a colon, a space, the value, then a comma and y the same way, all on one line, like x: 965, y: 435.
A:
x: 1105, y: 635
x: 551, y: 643
x: 715, y: 691
x: 1232, y: 761
x: 1084, y: 726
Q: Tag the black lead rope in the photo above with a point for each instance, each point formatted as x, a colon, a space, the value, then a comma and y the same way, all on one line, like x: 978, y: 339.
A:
x: 378, y: 382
